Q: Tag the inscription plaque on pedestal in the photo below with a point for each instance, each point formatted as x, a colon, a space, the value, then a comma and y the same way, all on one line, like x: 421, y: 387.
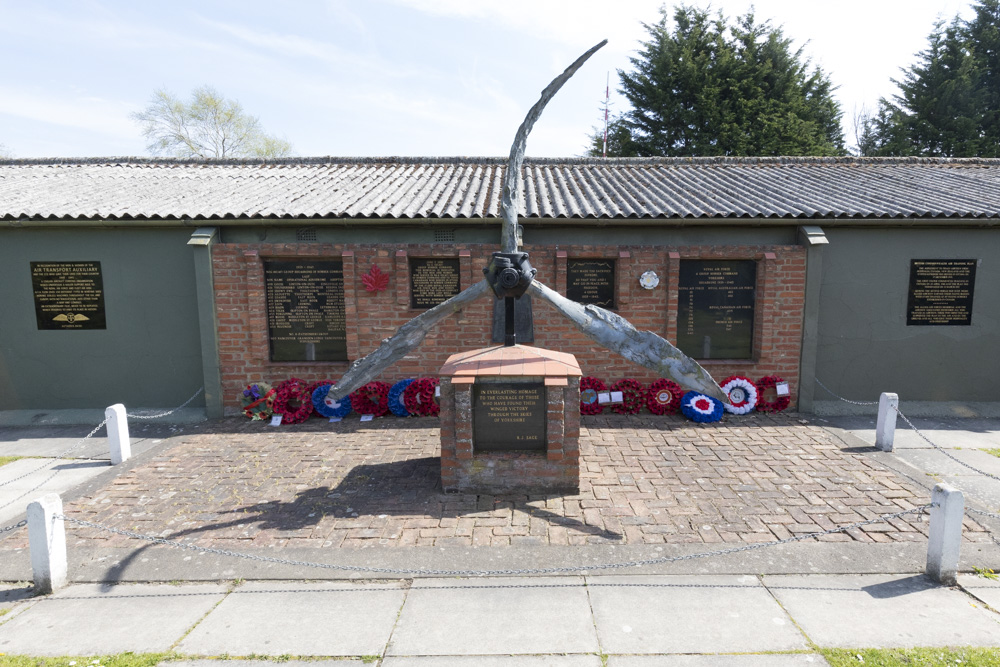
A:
x: 591, y: 281
x: 305, y: 310
x: 508, y: 416
x: 68, y: 295
x: 941, y: 292
x: 715, y: 308
x: 433, y: 281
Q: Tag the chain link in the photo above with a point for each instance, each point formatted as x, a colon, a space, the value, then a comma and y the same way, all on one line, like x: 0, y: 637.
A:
x: 20, y: 524
x: 169, y: 412
x: 992, y: 515
x: 57, y: 456
x: 845, y: 400
x: 547, y: 570
x: 66, y: 453
x: 943, y: 450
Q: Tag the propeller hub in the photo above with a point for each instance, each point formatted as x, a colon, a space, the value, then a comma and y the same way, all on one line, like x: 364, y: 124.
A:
x: 509, y: 274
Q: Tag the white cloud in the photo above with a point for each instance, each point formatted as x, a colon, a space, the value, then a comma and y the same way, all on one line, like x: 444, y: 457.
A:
x: 93, y: 114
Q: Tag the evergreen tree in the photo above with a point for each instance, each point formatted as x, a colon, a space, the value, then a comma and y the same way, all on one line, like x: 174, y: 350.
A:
x: 949, y: 101
x: 701, y: 86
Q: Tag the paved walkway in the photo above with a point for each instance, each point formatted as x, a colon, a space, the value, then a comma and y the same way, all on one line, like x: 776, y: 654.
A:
x: 566, y: 621
x: 652, y: 487
x: 646, y: 480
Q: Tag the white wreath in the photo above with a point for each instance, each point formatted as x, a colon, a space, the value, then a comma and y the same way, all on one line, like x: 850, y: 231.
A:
x: 745, y: 399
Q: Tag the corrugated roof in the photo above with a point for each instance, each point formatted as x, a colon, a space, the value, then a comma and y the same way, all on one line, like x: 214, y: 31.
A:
x: 469, y: 188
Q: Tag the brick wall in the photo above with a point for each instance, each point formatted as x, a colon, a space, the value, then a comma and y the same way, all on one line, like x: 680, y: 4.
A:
x: 373, y: 316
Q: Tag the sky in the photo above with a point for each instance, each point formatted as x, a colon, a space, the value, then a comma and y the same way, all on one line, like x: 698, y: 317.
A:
x: 387, y: 77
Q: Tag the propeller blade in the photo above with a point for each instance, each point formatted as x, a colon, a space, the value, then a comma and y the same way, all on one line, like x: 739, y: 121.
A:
x: 406, y: 338
x: 642, y: 347
x: 511, y: 178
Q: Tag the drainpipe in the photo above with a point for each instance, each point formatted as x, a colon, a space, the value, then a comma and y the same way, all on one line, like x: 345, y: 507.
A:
x: 813, y: 238
x: 201, y: 242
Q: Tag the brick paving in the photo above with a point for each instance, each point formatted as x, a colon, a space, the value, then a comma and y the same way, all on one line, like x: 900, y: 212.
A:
x: 645, y: 480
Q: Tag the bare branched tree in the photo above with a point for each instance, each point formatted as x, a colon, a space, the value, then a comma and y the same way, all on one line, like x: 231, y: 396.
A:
x: 210, y: 126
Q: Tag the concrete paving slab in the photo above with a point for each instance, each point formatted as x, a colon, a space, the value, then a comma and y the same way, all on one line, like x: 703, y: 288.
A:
x: 495, y: 616
x: 93, y: 416
x: 17, y: 494
x: 766, y: 660
x: 683, y: 614
x: 878, y: 611
x: 339, y: 662
x: 94, y: 619
x: 14, y: 599
x: 494, y: 661
x: 303, y: 619
x: 948, y: 433
x: 986, y: 590
x: 937, y: 462
x: 976, y: 487
x: 56, y: 441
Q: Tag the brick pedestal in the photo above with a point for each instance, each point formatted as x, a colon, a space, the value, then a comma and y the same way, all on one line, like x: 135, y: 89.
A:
x: 554, y: 469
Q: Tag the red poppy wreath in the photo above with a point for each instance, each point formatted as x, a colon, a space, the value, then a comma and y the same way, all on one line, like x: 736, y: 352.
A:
x: 779, y: 403
x: 633, y: 396
x: 371, y: 399
x: 293, y: 401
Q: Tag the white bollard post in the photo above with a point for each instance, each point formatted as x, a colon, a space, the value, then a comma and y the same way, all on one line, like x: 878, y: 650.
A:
x: 47, y: 540
x: 118, y: 442
x: 945, y: 536
x: 885, y: 427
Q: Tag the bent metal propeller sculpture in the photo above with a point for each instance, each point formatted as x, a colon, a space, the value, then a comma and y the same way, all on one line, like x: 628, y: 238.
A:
x: 509, y: 276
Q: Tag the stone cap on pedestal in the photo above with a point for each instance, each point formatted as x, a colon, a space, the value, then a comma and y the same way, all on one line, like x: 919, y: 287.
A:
x: 514, y: 360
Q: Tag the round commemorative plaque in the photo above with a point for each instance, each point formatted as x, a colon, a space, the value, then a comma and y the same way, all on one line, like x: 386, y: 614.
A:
x: 649, y: 279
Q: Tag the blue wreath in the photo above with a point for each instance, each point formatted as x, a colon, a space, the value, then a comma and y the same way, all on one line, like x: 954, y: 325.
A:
x: 689, y: 411
x: 319, y: 402
x: 396, y: 398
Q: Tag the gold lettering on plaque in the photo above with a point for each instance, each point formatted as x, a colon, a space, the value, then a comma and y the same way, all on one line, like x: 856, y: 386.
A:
x: 433, y: 281
x: 68, y: 295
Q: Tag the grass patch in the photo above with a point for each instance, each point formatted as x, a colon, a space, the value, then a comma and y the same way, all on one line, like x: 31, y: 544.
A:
x: 912, y: 657
x: 985, y: 572
x: 119, y: 660
x: 994, y: 452
x: 4, y: 460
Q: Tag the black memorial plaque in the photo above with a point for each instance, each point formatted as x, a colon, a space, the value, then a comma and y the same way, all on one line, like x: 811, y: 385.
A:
x: 941, y: 292
x: 305, y: 310
x: 433, y: 281
x: 591, y: 281
x: 68, y: 295
x: 508, y: 416
x: 524, y: 329
x: 715, y: 308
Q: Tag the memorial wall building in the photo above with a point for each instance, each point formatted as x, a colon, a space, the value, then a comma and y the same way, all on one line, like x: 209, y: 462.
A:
x: 140, y: 280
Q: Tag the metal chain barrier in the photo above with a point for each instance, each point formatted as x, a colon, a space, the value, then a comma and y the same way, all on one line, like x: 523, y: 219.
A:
x: 942, y: 449
x: 929, y: 442
x: 169, y: 412
x: 57, y: 456
x: 547, y: 570
x: 20, y: 524
x: 66, y: 453
x: 845, y: 400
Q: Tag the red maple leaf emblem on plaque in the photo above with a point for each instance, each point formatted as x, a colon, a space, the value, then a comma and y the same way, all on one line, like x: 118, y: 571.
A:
x: 375, y: 280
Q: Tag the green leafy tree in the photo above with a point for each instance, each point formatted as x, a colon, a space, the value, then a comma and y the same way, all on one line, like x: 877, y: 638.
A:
x: 210, y: 126
x: 947, y: 104
x: 703, y: 86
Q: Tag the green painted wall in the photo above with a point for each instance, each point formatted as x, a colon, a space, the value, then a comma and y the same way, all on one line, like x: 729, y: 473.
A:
x: 864, y: 346
x: 149, y: 355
